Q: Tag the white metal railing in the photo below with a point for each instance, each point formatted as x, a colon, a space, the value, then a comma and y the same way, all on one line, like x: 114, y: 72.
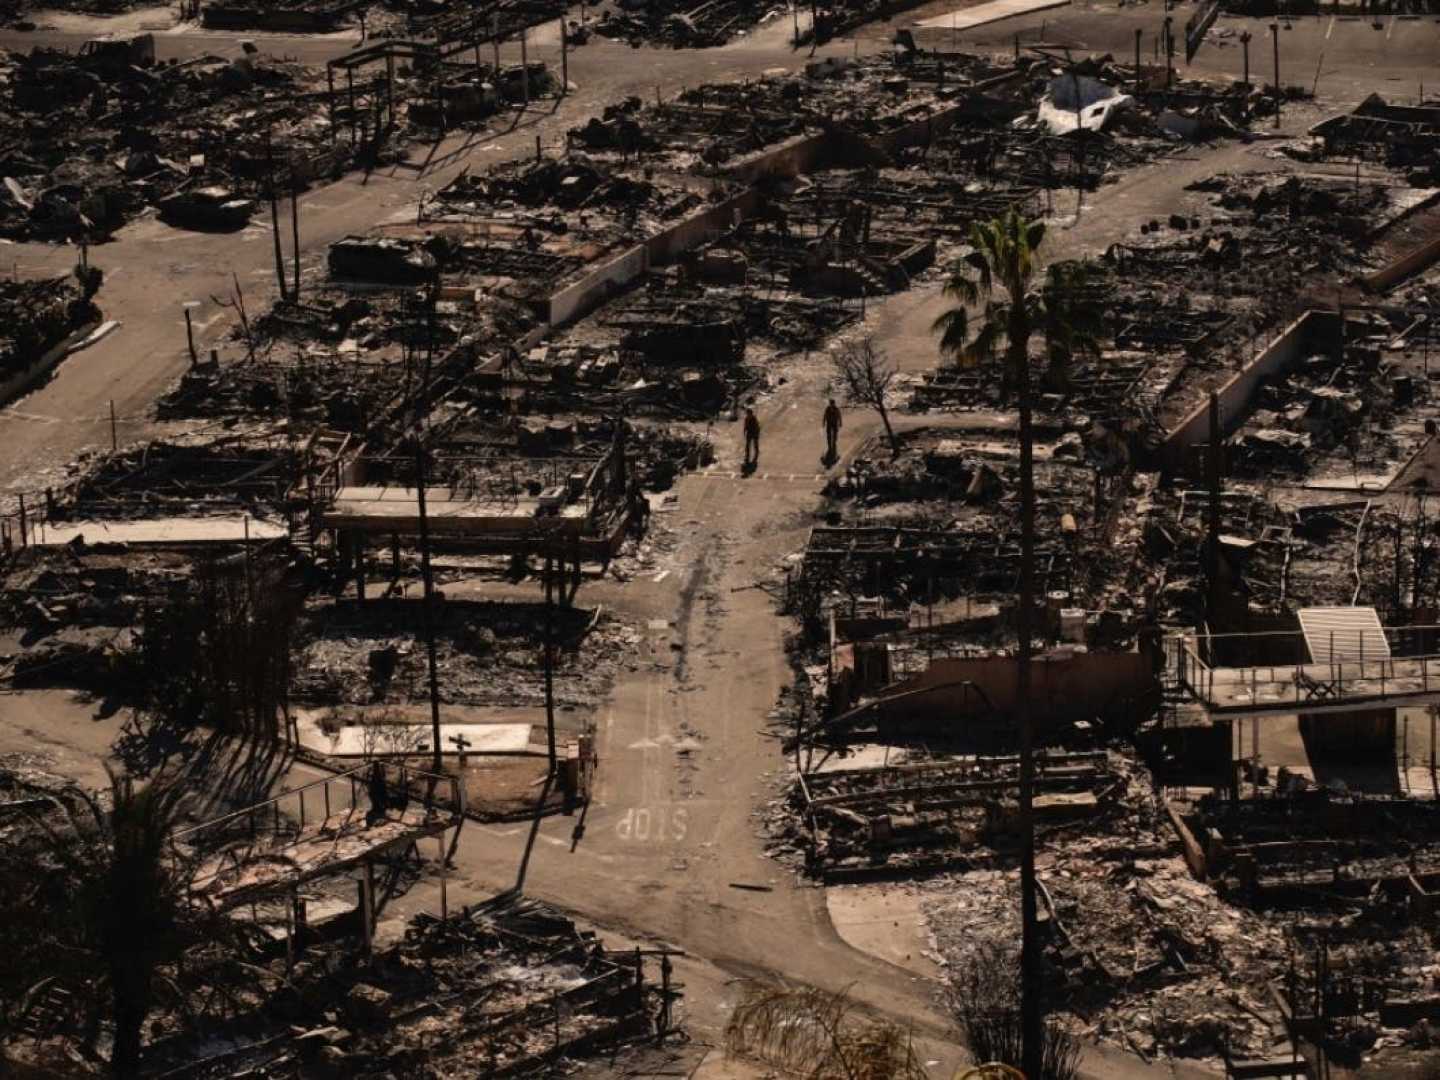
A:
x: 1398, y: 666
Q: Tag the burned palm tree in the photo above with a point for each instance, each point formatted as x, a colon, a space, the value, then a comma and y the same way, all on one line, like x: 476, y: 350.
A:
x: 120, y: 913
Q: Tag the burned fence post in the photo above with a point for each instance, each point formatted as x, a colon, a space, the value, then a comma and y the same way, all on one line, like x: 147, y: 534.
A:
x: 190, y: 332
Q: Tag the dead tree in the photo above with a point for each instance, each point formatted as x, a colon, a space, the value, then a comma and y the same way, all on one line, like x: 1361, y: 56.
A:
x: 236, y: 303
x: 867, y: 373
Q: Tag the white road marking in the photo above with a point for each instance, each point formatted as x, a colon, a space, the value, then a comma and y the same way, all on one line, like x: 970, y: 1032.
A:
x: 35, y: 418
x: 1330, y: 29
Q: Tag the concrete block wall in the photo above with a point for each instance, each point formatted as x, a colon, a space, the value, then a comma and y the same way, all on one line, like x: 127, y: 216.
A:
x: 573, y: 301
x: 1310, y: 331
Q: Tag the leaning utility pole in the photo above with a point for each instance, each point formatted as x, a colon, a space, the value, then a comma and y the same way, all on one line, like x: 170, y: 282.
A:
x: 427, y: 616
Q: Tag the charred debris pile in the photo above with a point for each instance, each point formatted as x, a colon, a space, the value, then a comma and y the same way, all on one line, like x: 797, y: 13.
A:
x: 37, y: 316
x: 96, y: 138
x: 502, y: 989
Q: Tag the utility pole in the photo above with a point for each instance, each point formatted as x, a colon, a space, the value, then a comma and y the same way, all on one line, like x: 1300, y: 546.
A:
x: 1245, y: 48
x: 295, y: 222
x: 1275, y: 39
x: 550, y: 658
x: 1079, y: 133
x: 1212, y: 532
x: 1139, y: 82
x: 274, y: 216
x: 1169, y: 51
x: 427, y: 615
x: 524, y: 69
x: 564, y: 59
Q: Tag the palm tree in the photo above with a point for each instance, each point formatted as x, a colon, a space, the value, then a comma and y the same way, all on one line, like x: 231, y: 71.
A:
x: 128, y: 894
x: 1002, y: 272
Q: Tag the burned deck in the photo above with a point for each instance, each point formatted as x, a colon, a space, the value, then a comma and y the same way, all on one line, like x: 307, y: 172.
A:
x: 319, y: 830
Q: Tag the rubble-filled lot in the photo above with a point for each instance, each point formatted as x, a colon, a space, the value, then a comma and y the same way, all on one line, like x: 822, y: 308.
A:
x: 719, y: 124
x: 99, y: 139
x: 349, y: 360
x: 493, y: 654
x: 36, y: 316
x: 499, y: 988
x: 499, y: 991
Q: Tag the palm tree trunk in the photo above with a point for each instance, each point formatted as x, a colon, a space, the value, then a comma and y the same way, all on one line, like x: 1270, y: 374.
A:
x: 130, y: 990
x: 1031, y: 1013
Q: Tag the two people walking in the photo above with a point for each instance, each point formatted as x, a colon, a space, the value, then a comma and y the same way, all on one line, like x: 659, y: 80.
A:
x: 832, y: 421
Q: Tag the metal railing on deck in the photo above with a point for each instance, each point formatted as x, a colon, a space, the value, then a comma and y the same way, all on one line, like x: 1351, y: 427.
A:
x: 290, y: 812
x: 1400, y: 665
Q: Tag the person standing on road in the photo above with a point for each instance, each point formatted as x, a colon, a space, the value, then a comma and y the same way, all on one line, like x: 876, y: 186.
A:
x: 752, y: 438
x: 832, y: 430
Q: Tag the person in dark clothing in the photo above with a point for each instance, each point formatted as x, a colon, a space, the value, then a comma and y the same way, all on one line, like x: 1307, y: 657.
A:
x: 832, y: 430
x: 752, y: 438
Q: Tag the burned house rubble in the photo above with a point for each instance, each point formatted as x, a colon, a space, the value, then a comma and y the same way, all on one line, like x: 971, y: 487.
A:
x: 1086, y: 522
x: 499, y: 988
x: 96, y: 139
